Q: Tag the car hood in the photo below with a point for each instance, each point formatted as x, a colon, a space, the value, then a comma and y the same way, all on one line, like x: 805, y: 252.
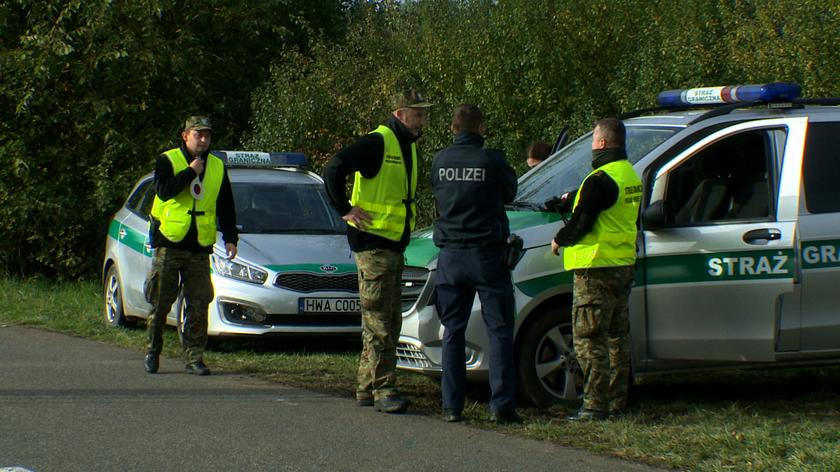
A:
x: 534, y: 227
x: 300, y: 251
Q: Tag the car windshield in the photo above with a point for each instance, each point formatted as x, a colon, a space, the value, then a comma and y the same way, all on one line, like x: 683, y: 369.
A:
x: 566, y: 170
x: 272, y: 208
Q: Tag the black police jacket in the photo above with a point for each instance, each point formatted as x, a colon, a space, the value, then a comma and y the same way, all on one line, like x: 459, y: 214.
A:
x: 471, y: 186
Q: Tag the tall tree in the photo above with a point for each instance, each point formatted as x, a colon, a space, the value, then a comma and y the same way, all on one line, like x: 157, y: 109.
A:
x: 93, y: 90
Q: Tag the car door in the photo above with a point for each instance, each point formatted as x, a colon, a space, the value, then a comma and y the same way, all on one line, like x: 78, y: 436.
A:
x: 135, y: 253
x: 820, y: 235
x: 720, y: 268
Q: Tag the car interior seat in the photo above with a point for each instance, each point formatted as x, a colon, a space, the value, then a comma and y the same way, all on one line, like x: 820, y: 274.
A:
x: 750, y: 190
x: 709, y: 201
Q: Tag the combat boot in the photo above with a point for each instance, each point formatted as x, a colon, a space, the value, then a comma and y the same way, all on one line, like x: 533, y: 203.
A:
x: 197, y: 368
x: 588, y: 415
x: 391, y: 404
x: 151, y: 363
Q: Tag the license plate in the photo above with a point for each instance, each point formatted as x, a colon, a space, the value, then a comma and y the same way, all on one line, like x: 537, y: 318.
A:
x: 329, y: 305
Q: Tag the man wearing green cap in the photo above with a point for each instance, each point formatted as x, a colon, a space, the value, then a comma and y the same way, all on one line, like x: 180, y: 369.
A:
x: 380, y: 217
x: 191, y: 190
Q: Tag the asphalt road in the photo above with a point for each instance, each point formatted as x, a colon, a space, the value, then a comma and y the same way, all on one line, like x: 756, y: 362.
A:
x: 70, y: 404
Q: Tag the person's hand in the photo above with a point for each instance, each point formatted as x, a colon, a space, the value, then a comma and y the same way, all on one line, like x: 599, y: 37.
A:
x: 197, y: 165
x: 555, y: 248
x: 559, y: 204
x: 230, y: 248
x: 358, y: 217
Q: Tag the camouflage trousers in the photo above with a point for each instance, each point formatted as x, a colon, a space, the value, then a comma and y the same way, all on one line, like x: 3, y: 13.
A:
x: 174, y: 270
x: 380, y: 273
x: 601, y: 329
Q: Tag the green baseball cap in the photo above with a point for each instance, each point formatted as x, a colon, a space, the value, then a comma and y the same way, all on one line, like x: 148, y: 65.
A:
x: 198, y: 123
x: 409, y: 99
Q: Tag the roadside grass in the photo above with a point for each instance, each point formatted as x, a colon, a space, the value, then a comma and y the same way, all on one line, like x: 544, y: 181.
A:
x: 740, y: 420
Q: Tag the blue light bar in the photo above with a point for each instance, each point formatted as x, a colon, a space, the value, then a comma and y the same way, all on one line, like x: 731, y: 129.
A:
x: 256, y: 159
x: 772, y: 92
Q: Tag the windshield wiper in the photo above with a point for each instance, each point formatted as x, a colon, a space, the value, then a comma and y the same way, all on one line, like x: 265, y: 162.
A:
x: 523, y: 204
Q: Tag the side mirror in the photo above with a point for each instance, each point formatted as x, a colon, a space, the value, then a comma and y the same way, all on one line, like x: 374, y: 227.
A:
x: 653, y: 217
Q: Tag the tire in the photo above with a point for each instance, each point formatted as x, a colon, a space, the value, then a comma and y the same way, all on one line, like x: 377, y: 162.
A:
x: 179, y: 324
x: 181, y: 316
x: 112, y: 295
x: 548, y: 369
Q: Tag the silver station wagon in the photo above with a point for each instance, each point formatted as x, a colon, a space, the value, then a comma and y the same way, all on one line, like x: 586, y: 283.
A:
x: 738, y: 253
x: 294, y: 272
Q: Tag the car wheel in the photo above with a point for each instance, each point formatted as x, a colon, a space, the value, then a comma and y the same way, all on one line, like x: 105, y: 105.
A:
x: 114, y: 309
x: 182, y: 316
x: 548, y: 369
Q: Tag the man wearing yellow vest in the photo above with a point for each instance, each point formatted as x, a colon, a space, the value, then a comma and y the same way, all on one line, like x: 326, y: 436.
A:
x: 380, y: 217
x: 191, y: 190
x: 600, y: 247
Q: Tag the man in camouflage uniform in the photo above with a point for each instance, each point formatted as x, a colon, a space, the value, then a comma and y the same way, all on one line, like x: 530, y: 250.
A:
x: 600, y: 246
x: 191, y: 190
x: 380, y: 218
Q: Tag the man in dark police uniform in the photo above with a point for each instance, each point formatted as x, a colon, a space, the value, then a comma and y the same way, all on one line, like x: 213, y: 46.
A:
x: 471, y: 186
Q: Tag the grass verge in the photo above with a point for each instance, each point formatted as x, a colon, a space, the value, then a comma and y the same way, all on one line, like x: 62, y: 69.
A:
x: 759, y: 420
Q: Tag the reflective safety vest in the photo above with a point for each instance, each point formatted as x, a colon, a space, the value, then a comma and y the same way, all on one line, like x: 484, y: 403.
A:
x: 384, y: 197
x: 176, y: 213
x: 612, y: 241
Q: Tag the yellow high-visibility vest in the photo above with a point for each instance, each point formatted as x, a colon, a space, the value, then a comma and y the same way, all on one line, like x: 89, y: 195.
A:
x: 176, y: 213
x: 612, y: 241
x: 384, y: 196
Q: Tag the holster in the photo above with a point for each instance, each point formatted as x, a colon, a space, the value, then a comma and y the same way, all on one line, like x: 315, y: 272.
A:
x: 513, y: 251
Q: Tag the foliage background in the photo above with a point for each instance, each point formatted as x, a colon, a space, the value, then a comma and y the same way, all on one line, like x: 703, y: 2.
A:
x: 92, y: 91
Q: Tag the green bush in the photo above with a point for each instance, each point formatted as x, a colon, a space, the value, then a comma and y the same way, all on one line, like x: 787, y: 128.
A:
x: 536, y: 67
x: 92, y: 91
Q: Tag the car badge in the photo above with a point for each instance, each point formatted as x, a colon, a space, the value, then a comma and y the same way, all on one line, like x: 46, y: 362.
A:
x: 328, y: 268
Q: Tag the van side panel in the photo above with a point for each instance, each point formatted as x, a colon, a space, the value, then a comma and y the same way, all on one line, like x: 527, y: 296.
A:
x: 820, y: 234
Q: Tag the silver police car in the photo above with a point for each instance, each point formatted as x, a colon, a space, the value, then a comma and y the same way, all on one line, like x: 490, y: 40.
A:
x: 294, y: 272
x: 738, y: 253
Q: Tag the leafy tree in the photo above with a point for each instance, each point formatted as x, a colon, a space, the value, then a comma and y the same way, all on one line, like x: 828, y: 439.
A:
x: 92, y: 91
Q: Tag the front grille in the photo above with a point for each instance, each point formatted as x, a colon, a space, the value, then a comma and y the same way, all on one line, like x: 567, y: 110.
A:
x: 308, y: 282
x: 410, y: 356
x: 312, y: 319
x: 413, y: 281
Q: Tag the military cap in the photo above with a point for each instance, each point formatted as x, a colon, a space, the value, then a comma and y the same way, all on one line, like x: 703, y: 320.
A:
x: 198, y: 123
x: 409, y: 99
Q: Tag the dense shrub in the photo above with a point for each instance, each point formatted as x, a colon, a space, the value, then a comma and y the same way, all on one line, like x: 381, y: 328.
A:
x: 91, y: 91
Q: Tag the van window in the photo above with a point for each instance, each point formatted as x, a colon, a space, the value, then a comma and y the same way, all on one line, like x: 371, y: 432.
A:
x: 565, y: 170
x: 728, y: 180
x: 821, y: 168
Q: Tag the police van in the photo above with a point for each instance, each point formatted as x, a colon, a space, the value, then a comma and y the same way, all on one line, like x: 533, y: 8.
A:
x: 738, y: 252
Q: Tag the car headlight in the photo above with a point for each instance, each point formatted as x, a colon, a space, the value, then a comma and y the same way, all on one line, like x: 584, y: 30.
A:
x: 238, y: 270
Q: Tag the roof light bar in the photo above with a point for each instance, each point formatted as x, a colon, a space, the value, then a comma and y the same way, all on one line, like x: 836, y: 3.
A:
x: 262, y: 159
x: 772, y: 92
